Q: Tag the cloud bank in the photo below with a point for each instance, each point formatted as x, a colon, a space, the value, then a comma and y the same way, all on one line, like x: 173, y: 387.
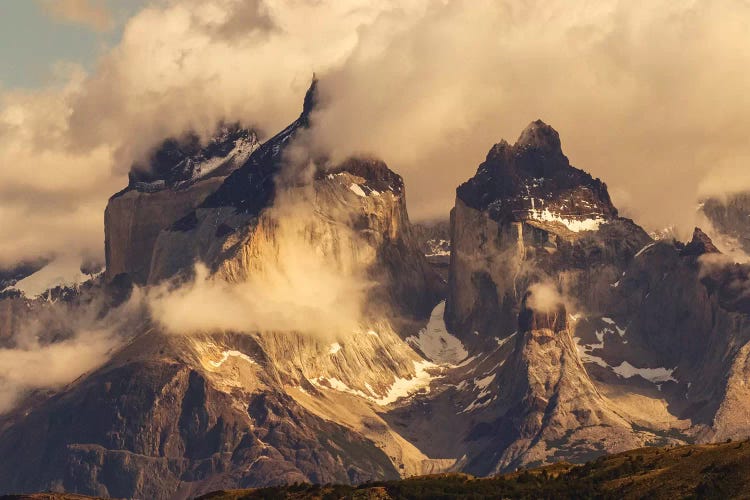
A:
x: 649, y: 96
x: 544, y: 297
x: 55, y: 343
x: 35, y: 366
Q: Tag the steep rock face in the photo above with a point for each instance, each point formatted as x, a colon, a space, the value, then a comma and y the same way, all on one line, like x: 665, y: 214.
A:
x: 13, y: 310
x: 674, y: 323
x: 663, y: 303
x: 353, y: 214
x: 356, y: 220
x: 134, y: 219
x: 434, y: 239
x: 730, y: 218
x: 178, y: 177
x: 525, y: 216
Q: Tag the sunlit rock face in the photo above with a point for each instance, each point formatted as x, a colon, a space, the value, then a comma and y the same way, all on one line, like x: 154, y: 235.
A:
x: 353, y: 217
x: 215, y: 204
x: 525, y: 215
x: 173, y: 417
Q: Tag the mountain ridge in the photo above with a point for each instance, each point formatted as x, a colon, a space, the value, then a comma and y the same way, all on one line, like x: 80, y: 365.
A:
x: 562, y: 332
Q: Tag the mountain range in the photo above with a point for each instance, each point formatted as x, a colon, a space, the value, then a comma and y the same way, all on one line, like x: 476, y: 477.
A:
x: 538, y: 325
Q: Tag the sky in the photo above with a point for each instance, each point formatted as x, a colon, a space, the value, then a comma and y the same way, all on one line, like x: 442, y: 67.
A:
x: 651, y: 96
x: 35, y: 36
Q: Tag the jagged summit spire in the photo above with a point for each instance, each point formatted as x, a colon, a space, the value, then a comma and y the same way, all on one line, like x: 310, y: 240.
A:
x: 700, y: 244
x: 539, y: 135
x: 311, y: 98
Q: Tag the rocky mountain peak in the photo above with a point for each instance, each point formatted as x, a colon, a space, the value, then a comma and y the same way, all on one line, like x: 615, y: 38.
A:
x: 552, y: 403
x: 311, y: 98
x: 180, y: 161
x: 700, y: 244
x: 533, y: 180
x: 251, y: 187
x: 538, y: 135
x: 529, y: 216
x: 376, y: 173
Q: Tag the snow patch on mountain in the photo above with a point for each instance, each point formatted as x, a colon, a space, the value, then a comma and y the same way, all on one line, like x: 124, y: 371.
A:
x: 483, y: 398
x: 436, y: 343
x: 666, y: 233
x: 225, y: 355
x: 400, y: 388
x: 337, y: 385
x: 242, y: 150
x: 482, y: 383
x: 438, y: 248
x: 214, y: 356
x: 62, y: 271
x: 574, y: 225
x: 403, y: 387
x: 502, y: 342
x: 354, y: 188
x: 644, y: 249
x: 654, y: 375
x: 477, y: 404
x: 625, y: 369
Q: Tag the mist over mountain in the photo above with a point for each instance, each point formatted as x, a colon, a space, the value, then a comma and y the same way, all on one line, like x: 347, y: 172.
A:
x: 210, y: 277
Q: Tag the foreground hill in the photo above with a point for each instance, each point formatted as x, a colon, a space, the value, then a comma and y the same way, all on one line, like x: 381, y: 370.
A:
x: 691, y: 471
x: 702, y: 471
